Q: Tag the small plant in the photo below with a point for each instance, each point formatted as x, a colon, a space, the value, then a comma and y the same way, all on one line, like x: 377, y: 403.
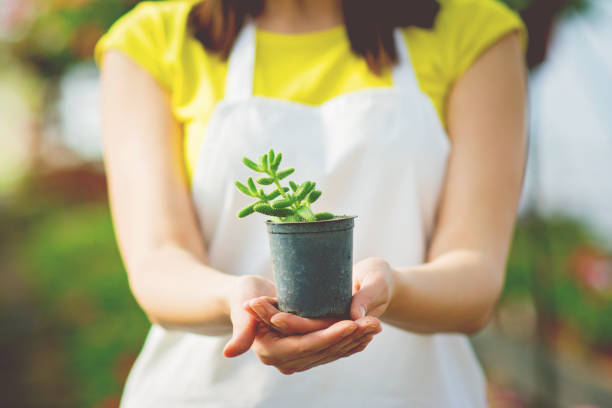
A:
x: 292, y: 203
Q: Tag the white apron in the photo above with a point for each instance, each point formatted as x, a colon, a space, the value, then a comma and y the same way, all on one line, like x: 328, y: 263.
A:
x: 378, y: 153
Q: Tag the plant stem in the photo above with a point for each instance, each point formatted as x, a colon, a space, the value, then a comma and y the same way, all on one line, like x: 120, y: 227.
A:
x: 277, y: 183
x: 278, y: 186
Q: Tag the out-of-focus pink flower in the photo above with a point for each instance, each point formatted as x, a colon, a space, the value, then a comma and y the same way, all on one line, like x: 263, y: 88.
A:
x: 13, y: 13
x: 593, y: 269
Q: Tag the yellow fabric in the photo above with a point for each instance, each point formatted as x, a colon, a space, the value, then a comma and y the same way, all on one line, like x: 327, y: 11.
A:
x: 308, y: 68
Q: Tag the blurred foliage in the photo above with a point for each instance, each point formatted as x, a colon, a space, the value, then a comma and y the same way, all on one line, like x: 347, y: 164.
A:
x: 578, y: 286
x: 81, y: 310
x: 63, y: 32
x: 73, y: 264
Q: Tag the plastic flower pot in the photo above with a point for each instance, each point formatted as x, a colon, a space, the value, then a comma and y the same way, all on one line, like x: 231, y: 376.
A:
x: 313, y: 265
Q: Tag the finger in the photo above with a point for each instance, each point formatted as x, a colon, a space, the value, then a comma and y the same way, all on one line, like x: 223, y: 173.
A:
x: 351, y: 350
x: 368, y: 324
x: 271, y: 300
x: 288, y: 323
x: 346, y: 351
x: 292, y: 347
x: 243, y: 335
x: 337, y: 350
x: 264, y: 309
x: 250, y: 311
x: 363, y: 299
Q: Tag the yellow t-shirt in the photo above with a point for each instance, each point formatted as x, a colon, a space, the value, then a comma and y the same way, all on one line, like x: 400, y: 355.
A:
x: 309, y: 68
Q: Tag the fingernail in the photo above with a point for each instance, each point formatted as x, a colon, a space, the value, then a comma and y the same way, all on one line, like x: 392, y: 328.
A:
x: 370, y: 330
x: 362, y: 311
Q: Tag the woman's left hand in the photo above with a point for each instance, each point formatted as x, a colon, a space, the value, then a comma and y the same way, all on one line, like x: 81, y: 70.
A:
x: 300, y: 352
x: 373, y: 286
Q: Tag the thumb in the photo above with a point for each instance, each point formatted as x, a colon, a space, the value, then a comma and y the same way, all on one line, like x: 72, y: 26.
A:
x: 362, y: 300
x: 243, y: 335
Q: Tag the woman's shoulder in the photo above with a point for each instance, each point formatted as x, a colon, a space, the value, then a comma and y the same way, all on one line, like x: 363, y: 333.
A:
x: 148, y: 34
x: 462, y: 31
x: 466, y: 20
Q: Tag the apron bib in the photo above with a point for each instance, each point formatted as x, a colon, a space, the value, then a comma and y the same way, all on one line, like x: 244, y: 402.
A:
x: 378, y: 153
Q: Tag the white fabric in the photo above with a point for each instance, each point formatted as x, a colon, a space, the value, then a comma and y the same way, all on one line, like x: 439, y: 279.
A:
x: 378, y: 153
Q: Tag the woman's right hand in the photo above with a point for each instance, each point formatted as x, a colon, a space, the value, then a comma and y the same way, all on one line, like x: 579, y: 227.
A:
x: 244, y: 324
x: 292, y: 343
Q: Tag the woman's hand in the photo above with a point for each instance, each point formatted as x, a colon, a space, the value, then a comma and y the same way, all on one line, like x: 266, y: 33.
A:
x: 245, y: 324
x: 295, y: 353
x: 373, y: 287
x: 292, y: 343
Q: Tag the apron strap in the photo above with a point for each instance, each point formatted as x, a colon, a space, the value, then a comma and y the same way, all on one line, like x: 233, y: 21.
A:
x: 403, y: 73
x: 241, y: 65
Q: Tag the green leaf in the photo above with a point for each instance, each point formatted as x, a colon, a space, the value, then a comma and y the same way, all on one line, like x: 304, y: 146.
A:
x: 282, y: 174
x: 264, y: 162
x: 324, y: 216
x: 265, y: 181
x: 314, y: 196
x: 246, y: 211
x: 276, y: 162
x: 282, y: 212
x: 282, y: 203
x: 272, y: 195
x: 271, y: 156
x: 275, y: 212
x: 310, y: 187
x: 251, y: 164
x: 293, y: 186
x: 301, y: 192
x: 292, y: 218
x: 305, y: 213
x: 252, y: 186
x: 262, y: 193
x: 243, y: 188
x: 276, y: 193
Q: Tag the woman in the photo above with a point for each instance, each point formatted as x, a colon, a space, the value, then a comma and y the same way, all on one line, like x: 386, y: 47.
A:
x: 409, y: 116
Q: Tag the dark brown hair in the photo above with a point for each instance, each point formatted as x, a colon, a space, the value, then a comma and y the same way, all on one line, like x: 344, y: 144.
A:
x: 369, y: 25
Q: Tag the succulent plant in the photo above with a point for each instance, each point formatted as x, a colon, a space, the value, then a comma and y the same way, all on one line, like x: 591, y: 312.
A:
x: 292, y: 204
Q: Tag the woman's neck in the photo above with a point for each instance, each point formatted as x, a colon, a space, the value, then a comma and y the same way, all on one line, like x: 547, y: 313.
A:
x: 300, y: 16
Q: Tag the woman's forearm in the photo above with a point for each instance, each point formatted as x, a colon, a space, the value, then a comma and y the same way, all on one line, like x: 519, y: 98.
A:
x: 455, y: 292
x: 176, y: 290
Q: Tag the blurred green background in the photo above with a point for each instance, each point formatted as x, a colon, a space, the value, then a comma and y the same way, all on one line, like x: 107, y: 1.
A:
x: 70, y: 326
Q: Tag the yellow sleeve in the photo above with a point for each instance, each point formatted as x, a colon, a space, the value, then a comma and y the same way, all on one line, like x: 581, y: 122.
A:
x: 463, y: 30
x: 472, y: 26
x: 140, y: 34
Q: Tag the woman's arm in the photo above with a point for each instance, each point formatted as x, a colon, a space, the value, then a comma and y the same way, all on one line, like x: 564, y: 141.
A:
x: 458, y: 287
x: 154, y: 219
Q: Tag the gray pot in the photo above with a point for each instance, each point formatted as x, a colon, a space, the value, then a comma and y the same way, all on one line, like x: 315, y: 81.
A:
x: 313, y: 265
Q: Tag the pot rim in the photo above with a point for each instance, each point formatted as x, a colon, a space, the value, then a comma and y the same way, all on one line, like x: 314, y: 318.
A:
x: 336, y: 218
